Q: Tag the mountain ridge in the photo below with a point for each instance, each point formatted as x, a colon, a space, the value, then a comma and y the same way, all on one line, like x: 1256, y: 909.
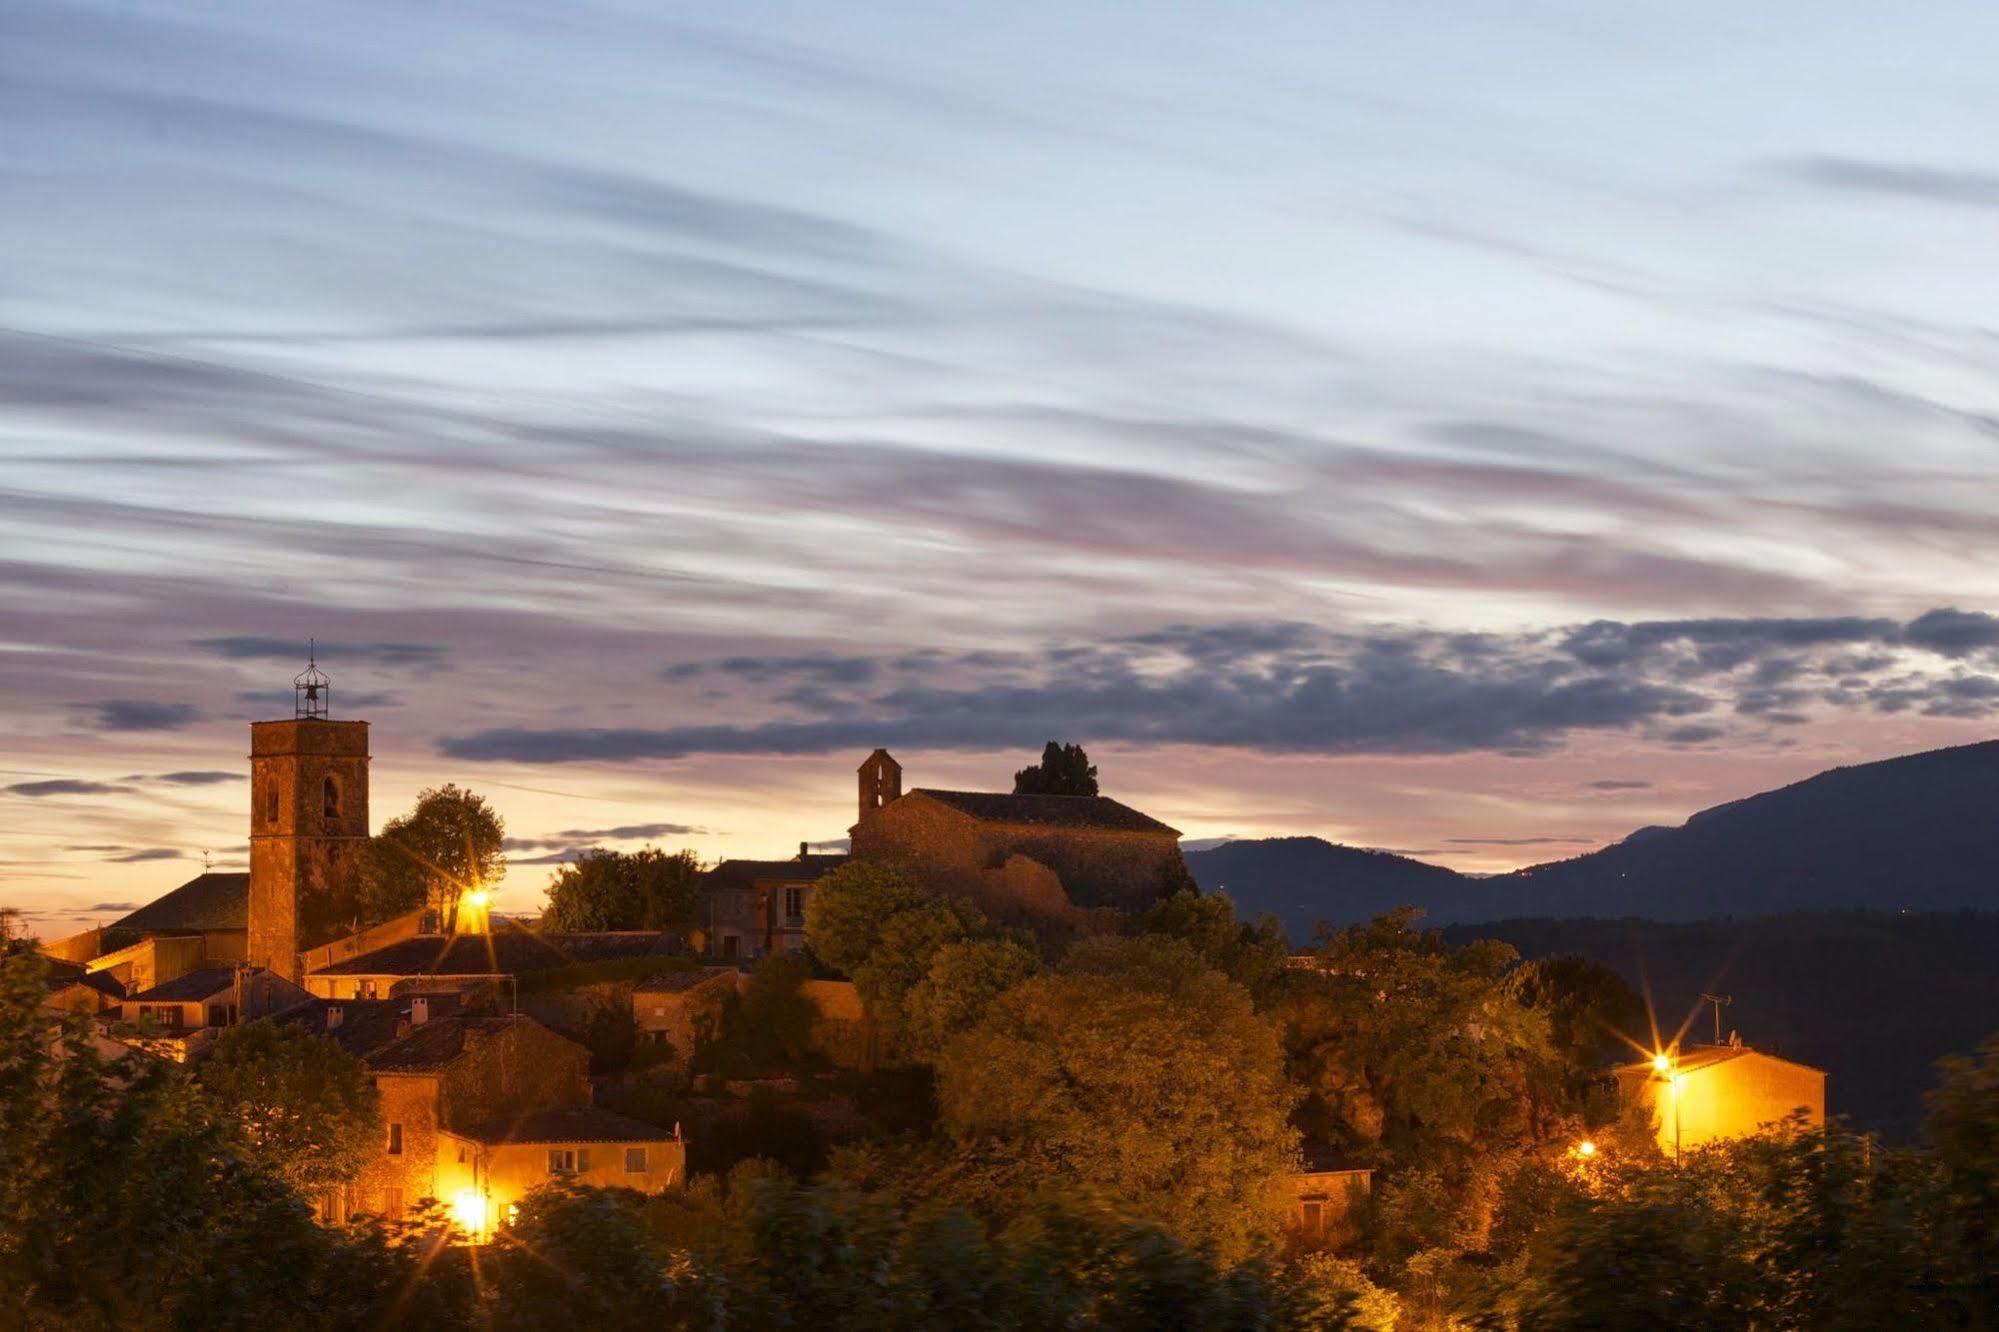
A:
x: 1913, y: 832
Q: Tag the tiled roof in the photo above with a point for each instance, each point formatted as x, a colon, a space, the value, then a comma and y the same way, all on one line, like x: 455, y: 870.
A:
x: 1051, y: 811
x: 201, y: 983
x: 679, y: 982
x: 1693, y: 1058
x: 365, y: 1026
x: 508, y: 950
x: 578, y: 1123
x: 433, y: 1044
x: 798, y: 869
x: 210, y: 901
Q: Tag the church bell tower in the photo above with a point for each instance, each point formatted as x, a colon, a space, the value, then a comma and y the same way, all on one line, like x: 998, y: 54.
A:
x: 308, y: 825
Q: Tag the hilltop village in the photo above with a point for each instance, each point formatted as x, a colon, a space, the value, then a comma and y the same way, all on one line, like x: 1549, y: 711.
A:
x: 508, y: 1056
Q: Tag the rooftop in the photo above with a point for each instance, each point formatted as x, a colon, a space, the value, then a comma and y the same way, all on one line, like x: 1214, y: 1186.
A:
x: 432, y: 1045
x: 508, y: 950
x: 201, y: 983
x: 212, y: 901
x: 798, y: 869
x: 679, y: 982
x: 1693, y: 1058
x: 1051, y: 811
x: 581, y: 1123
x: 365, y: 1025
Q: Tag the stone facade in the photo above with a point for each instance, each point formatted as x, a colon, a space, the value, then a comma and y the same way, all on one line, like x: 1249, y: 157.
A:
x: 481, y: 1070
x: 1115, y: 868
x: 308, y: 827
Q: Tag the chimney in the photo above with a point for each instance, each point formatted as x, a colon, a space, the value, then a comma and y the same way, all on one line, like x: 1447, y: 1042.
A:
x: 803, y: 847
x: 419, y: 1011
x: 335, y: 1014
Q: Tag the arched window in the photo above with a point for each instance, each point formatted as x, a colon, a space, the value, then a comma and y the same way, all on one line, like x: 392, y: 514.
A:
x: 330, y: 793
x: 270, y: 802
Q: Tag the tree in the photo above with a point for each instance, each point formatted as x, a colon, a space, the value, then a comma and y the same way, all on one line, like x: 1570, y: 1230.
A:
x: 307, y: 1107
x: 774, y: 1019
x: 884, y: 931
x: 1590, y: 1011
x: 963, y: 980
x: 1251, y: 955
x: 1963, y: 1130
x: 1063, y: 770
x: 449, y: 844
x: 1136, y: 1070
x: 625, y: 890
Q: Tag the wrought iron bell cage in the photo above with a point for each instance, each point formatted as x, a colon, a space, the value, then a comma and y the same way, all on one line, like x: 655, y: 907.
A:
x: 311, y: 690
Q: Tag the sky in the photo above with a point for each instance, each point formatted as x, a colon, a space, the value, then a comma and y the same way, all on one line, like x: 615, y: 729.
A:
x: 1472, y: 430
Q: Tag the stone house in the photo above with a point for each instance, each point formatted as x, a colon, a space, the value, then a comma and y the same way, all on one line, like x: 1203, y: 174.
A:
x: 484, y: 1170
x: 211, y: 997
x: 1324, y: 1196
x: 440, y: 1071
x: 1025, y: 858
x: 1709, y: 1092
x: 684, y: 1009
x: 755, y: 907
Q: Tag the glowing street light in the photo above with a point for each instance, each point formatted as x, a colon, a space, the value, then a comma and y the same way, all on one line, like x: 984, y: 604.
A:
x: 1586, y: 1149
x: 468, y: 1210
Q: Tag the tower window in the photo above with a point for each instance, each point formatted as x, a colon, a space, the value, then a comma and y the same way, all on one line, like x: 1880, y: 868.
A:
x: 270, y: 802
x: 330, y: 794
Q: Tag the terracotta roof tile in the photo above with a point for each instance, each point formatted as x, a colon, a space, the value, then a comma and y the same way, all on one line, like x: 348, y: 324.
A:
x: 1052, y: 811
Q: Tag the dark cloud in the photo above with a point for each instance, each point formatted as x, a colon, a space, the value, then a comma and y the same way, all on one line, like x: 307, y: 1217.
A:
x: 1952, y: 632
x: 1515, y: 841
x: 1287, y: 687
x: 198, y: 778
x: 136, y: 714
x: 1977, y: 189
x: 113, y: 906
x: 567, y: 857
x: 582, y: 838
x: 816, y: 669
x: 1618, y: 784
x: 275, y: 700
x: 149, y: 853
x: 65, y: 786
x: 245, y: 647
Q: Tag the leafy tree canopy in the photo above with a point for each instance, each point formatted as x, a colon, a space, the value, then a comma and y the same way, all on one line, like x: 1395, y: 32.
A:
x: 625, y: 890
x: 1252, y: 955
x: 1134, y: 1069
x: 446, y: 846
x: 1063, y: 770
x: 922, y: 964
x: 307, y: 1107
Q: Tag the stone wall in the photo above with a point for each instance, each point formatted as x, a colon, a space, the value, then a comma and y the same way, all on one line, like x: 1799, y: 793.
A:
x: 303, y: 854
x: 1123, y: 871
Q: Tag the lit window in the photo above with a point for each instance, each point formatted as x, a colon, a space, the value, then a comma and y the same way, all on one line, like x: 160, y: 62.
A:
x: 635, y: 1160
x: 561, y: 1161
x: 395, y: 1140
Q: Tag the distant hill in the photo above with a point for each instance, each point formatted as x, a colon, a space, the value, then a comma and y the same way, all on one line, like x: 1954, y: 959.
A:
x: 1304, y: 880
x: 1874, y: 998
x: 1919, y: 832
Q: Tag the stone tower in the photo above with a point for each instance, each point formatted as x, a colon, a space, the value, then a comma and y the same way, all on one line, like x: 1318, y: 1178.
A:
x: 308, y: 824
x: 881, y: 781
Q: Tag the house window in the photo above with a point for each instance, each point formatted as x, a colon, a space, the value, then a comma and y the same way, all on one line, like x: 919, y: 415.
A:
x: 730, y: 943
x: 462, y: 1155
x: 395, y: 1140
x: 329, y: 791
x: 794, y: 906
x: 392, y: 1203
x: 1313, y: 1218
x: 635, y: 1160
x: 561, y: 1161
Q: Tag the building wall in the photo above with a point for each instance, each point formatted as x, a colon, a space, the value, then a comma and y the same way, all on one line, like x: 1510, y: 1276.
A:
x: 1323, y: 1202
x: 483, y: 1180
x: 1127, y: 871
x: 154, y: 961
x: 684, y: 1019
x: 522, y: 1067
x: 303, y: 862
x: 1730, y: 1099
x: 362, y: 941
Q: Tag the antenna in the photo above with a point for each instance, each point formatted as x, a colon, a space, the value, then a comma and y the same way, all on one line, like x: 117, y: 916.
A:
x: 1720, y: 1001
